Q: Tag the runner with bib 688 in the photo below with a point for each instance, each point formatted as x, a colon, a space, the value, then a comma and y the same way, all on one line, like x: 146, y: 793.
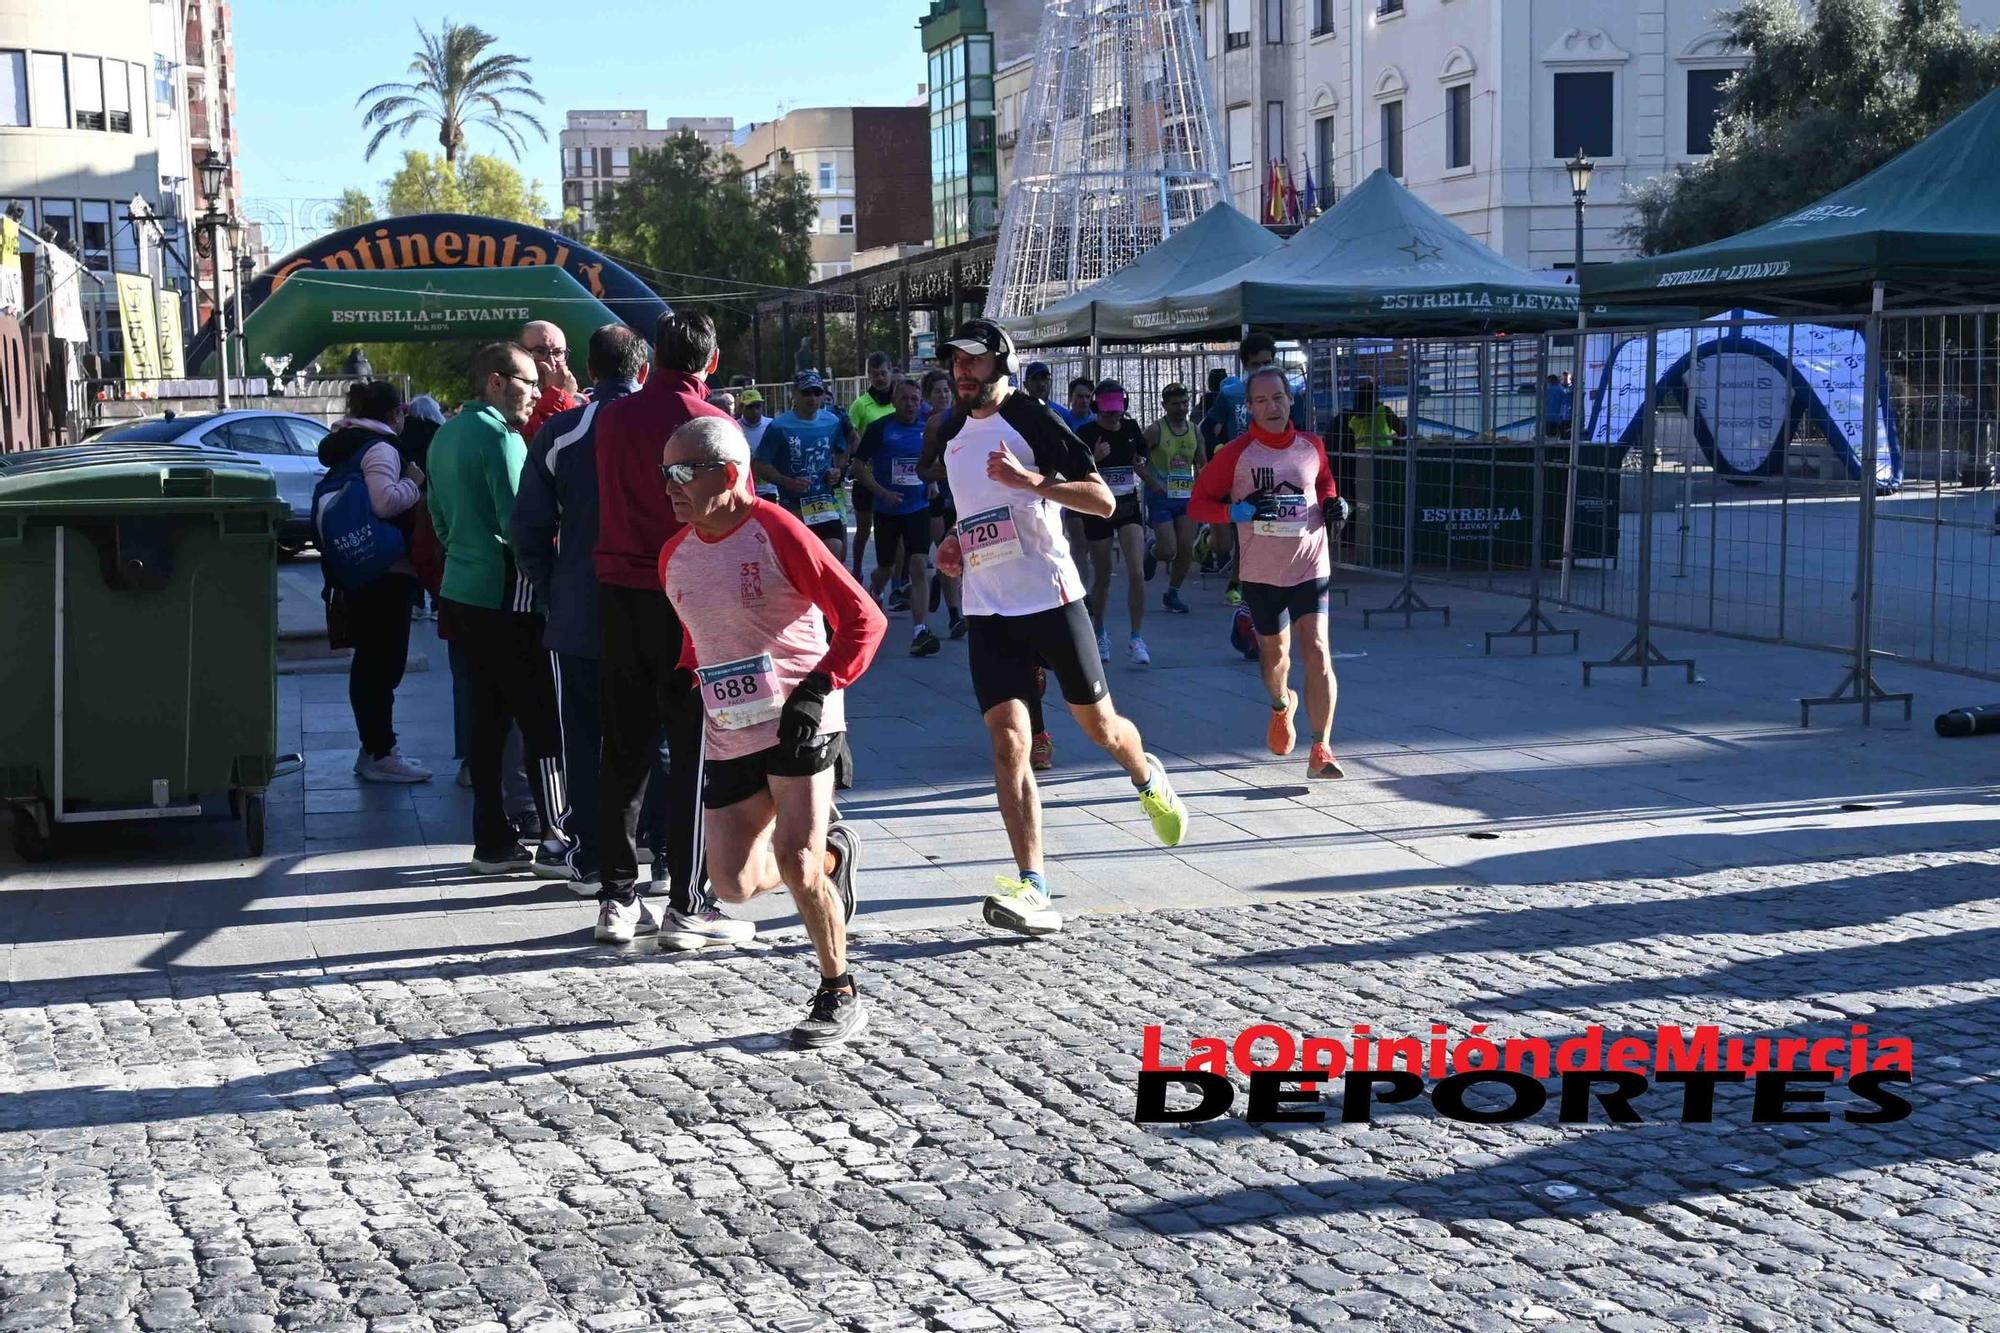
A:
x: 1015, y: 469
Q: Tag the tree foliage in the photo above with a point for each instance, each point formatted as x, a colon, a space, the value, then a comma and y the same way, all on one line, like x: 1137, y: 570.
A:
x: 355, y: 208
x: 688, y: 210
x: 454, y: 84
x: 1824, y: 99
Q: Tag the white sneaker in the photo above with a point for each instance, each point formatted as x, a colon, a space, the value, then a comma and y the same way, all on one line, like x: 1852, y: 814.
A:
x: 1137, y: 648
x: 465, y: 773
x: 391, y: 767
x: 681, y: 930
x: 617, y: 922
x: 1022, y: 908
x: 1104, y: 645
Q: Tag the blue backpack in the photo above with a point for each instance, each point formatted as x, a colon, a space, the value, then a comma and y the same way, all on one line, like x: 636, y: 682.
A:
x: 355, y: 547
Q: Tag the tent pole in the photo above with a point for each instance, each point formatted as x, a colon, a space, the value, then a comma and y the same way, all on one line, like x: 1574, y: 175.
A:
x: 1579, y: 397
x: 1639, y: 651
x: 1859, y: 685
x: 1407, y: 602
x: 1095, y: 348
x: 1535, y: 624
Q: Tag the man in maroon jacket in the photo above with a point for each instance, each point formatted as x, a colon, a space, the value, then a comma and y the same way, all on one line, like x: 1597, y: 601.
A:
x: 644, y: 695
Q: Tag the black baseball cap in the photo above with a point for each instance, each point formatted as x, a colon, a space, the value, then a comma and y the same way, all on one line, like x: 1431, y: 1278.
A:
x: 1037, y: 370
x: 979, y: 337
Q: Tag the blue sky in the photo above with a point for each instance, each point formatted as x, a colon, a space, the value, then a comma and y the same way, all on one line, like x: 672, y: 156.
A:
x: 300, y: 133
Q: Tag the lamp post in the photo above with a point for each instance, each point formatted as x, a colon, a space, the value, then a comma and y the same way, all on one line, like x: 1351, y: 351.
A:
x: 214, y: 168
x: 246, y: 268
x: 1579, y: 168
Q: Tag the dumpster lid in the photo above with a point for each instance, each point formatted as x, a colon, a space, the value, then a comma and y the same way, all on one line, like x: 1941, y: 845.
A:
x: 124, y: 474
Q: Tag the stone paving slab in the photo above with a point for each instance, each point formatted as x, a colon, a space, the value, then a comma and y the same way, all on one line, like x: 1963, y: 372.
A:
x: 616, y: 1140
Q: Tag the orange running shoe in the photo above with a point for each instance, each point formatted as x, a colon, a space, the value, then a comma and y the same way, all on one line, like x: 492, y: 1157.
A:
x: 1282, y: 735
x: 1042, y: 752
x: 1322, y: 764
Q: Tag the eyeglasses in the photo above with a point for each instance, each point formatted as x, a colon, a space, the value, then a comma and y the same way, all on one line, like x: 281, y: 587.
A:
x: 547, y: 350
x: 683, y: 474
x: 528, y: 380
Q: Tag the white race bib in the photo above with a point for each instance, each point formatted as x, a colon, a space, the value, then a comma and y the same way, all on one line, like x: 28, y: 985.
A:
x: 817, y: 509
x: 1180, y: 480
x: 903, y: 472
x: 766, y: 491
x: 742, y: 693
x: 1122, y: 480
x: 1281, y: 518
x: 989, y: 538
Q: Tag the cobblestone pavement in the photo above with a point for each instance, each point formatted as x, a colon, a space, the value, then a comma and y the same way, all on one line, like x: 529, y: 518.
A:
x: 615, y: 1141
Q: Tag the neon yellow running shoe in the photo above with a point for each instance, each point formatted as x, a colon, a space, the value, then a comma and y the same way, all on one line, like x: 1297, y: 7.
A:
x: 1162, y: 805
x: 1022, y: 908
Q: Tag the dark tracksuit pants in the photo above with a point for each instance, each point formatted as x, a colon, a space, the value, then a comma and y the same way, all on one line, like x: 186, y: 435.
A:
x: 650, y: 711
x: 577, y: 693
x: 512, y: 684
x: 378, y: 624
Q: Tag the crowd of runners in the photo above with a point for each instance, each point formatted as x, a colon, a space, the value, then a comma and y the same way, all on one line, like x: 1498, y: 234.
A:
x: 648, y: 587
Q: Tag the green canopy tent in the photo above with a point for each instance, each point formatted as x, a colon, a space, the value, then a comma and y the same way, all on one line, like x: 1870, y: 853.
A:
x: 311, y: 310
x: 1380, y: 263
x: 1214, y: 243
x: 1925, y: 225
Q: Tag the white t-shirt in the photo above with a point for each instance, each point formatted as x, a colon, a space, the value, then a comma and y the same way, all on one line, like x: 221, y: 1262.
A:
x: 1017, y: 560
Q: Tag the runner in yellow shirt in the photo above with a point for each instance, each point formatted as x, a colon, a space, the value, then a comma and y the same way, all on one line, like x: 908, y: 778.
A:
x: 1173, y: 456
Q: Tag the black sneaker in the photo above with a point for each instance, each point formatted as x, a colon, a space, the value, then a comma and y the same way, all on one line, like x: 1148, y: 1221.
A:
x: 925, y: 644
x: 836, y: 1016
x: 527, y: 826
x: 840, y: 840
x: 513, y: 860
x: 958, y: 627
x: 899, y: 599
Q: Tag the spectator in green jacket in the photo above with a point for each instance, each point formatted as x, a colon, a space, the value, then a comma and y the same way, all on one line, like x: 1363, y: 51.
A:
x: 476, y: 461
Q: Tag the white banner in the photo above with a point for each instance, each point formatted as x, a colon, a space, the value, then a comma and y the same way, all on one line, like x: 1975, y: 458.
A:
x: 65, y: 296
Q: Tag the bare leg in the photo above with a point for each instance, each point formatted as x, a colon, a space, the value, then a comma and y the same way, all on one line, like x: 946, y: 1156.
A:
x: 1274, y: 656
x: 1114, y: 735
x: 799, y: 846
x: 1322, y: 690
x: 1100, y: 581
x: 1014, y: 783
x: 1165, y: 546
x: 1132, y: 542
x: 1183, y: 547
x: 738, y: 838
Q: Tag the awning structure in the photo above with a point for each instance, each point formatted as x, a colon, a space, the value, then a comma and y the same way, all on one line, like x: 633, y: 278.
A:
x: 1926, y: 224
x: 1220, y: 240
x: 314, y: 309
x: 1380, y: 263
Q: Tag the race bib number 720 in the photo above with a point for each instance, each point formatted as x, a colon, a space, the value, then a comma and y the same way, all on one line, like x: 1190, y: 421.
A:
x: 741, y: 693
x: 989, y: 538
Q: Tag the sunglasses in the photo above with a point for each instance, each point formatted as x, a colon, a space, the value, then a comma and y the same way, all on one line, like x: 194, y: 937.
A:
x: 683, y: 474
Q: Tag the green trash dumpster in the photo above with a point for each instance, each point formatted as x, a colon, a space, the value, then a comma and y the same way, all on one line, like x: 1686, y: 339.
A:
x: 138, y: 586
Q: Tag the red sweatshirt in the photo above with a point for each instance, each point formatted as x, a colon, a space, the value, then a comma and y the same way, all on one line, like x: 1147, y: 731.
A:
x: 553, y: 400
x: 634, y: 516
x: 1288, y: 478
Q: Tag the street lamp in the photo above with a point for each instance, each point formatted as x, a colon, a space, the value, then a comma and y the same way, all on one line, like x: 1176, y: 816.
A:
x: 214, y: 169
x: 1579, y: 168
x: 246, y: 268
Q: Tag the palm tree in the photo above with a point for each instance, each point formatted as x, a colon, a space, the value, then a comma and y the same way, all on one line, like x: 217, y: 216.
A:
x: 455, y: 85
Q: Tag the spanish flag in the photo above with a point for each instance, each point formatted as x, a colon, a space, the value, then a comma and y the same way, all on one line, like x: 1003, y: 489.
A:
x: 1274, y: 197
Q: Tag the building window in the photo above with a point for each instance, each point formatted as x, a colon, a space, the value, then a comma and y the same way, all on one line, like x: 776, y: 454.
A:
x: 13, y: 87
x: 1458, y: 126
x: 124, y: 243
x: 1388, y: 8
x: 847, y: 224
x: 86, y: 78
x: 1322, y: 163
x: 1205, y: 20
x: 1392, y: 138
x: 826, y: 177
x: 48, y: 88
x: 1705, y: 106
x: 1241, y: 154
x: 96, y: 234
x: 1274, y: 131
x: 1584, y: 115
x: 117, y: 98
x: 135, y: 89
x: 621, y: 161
x: 59, y: 223
x: 1274, y: 20
x: 1237, y: 25
x: 1322, y: 17
x: 163, y: 81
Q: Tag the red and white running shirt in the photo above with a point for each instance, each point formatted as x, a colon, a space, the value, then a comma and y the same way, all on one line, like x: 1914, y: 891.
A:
x: 1289, y: 479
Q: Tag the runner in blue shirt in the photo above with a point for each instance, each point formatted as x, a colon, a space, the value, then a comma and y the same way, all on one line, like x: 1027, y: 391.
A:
x: 803, y: 454
x: 886, y: 466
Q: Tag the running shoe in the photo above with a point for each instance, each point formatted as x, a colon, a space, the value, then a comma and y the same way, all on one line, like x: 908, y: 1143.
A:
x: 1282, y: 735
x: 1234, y: 596
x: 1322, y: 764
x: 925, y: 644
x: 1022, y: 908
x: 696, y: 930
x: 846, y: 849
x: 1163, y: 806
x: 1104, y: 645
x: 1243, y: 634
x: 899, y: 598
x: 552, y: 860
x: 503, y: 860
x: 835, y: 1016
x: 465, y: 773
x: 1042, y: 752
x: 1137, y: 651
x: 958, y: 626
x: 391, y: 767
x: 618, y: 922
x: 1171, y: 600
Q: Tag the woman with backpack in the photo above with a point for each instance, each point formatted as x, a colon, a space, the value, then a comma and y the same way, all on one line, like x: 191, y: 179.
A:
x: 365, y: 556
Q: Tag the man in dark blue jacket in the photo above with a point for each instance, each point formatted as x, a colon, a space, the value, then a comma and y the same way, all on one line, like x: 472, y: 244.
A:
x: 553, y: 532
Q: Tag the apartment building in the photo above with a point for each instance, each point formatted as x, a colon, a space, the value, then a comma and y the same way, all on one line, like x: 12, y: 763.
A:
x: 597, y: 149
x: 868, y: 166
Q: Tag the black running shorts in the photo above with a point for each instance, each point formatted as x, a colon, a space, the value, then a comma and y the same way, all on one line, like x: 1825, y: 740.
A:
x: 900, y: 536
x: 725, y: 782
x: 1271, y: 606
x: 1005, y: 650
x: 1128, y: 512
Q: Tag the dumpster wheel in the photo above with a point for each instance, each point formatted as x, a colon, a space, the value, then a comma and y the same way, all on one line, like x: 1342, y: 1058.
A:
x: 253, y: 821
x: 31, y: 840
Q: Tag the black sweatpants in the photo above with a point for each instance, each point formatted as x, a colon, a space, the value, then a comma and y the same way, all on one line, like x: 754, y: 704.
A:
x: 647, y: 704
x: 378, y: 624
x: 512, y: 684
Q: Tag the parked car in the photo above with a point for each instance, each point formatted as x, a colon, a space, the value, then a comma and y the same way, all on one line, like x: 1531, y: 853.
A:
x: 284, y: 442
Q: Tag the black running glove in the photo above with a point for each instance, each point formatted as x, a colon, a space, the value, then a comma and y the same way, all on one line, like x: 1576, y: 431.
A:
x: 1335, y: 513
x: 798, y: 723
